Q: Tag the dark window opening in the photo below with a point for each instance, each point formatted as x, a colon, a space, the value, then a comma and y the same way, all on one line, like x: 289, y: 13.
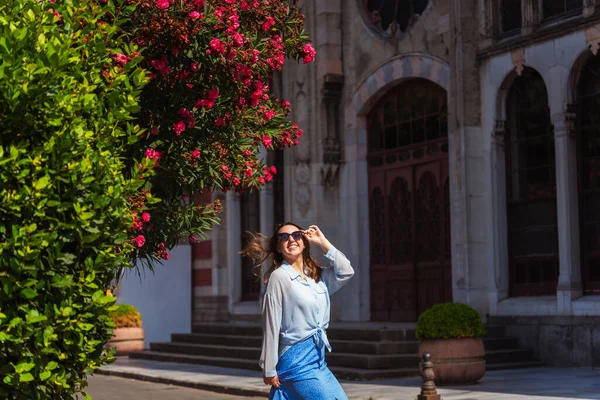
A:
x: 414, y: 113
x: 389, y: 15
x: 588, y: 157
x: 531, y: 189
x: 511, y: 16
x: 555, y: 8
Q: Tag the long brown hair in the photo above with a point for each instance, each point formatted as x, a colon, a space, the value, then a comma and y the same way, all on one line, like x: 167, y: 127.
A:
x: 259, y: 253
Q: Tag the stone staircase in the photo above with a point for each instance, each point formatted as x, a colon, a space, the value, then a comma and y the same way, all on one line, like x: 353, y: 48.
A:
x: 360, y: 351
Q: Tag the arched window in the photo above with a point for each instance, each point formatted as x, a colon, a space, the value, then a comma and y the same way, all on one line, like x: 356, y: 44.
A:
x: 589, y: 174
x: 416, y: 114
x: 531, y: 189
x: 389, y: 16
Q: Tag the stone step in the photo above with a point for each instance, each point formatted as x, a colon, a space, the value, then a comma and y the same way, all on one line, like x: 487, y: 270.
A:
x: 508, y: 356
x: 500, y: 343
x: 194, y: 359
x: 366, y: 361
x: 340, y: 372
x: 196, y: 349
x: 513, y: 365
x: 344, y: 346
x: 361, y: 334
x: 358, y: 374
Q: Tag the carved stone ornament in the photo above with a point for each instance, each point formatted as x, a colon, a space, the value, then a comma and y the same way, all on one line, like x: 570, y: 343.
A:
x: 499, y: 131
x: 518, y: 60
x: 332, y: 150
x: 302, y: 195
x: 592, y: 38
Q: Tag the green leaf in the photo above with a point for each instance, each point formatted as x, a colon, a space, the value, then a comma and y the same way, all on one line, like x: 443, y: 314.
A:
x: 51, y: 366
x: 29, y: 293
x: 26, y: 377
x: 45, y: 375
x: 24, y: 367
x: 42, y: 182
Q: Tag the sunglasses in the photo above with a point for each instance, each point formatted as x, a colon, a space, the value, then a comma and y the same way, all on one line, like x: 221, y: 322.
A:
x: 284, y: 237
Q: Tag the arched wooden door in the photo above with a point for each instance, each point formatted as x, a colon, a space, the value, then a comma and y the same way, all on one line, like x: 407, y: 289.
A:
x: 408, y: 202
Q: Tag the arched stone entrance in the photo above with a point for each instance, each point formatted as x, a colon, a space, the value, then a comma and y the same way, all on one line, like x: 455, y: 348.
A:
x: 408, y: 181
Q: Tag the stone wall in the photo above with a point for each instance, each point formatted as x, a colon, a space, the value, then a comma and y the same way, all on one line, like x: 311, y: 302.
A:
x: 562, y: 341
x: 210, y: 309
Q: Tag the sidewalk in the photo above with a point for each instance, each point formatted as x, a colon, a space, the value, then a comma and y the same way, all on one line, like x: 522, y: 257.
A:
x: 525, y: 384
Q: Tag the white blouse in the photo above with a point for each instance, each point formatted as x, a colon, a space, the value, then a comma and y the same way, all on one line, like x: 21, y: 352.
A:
x: 294, y: 310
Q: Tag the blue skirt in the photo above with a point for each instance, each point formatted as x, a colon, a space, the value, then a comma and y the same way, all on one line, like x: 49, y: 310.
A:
x: 304, y: 375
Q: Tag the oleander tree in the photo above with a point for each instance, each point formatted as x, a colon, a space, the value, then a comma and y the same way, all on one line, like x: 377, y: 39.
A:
x: 208, y: 108
x: 114, y: 114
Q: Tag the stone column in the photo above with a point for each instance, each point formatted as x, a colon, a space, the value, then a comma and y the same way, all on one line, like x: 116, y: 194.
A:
x: 589, y: 7
x: 234, y: 243
x: 267, y: 223
x: 567, y: 202
x: 531, y: 16
x: 497, y: 226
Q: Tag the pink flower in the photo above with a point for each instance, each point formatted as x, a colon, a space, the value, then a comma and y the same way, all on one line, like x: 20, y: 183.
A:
x: 247, y: 153
x: 238, y: 39
x: 146, y: 217
x: 267, y: 141
x: 179, y: 127
x: 162, y: 4
x: 194, y: 66
x: 155, y: 130
x: 212, y: 94
x: 248, y: 172
x: 225, y: 168
x: 140, y: 240
x: 217, y: 46
x: 121, y: 59
x: 309, y: 53
x: 192, y: 239
x: 236, y: 182
x: 196, y: 153
x: 273, y: 169
x: 166, y: 255
x: 244, y: 6
x: 194, y: 15
x: 219, y: 122
x: 152, y: 154
x: 268, y: 24
x: 261, y: 180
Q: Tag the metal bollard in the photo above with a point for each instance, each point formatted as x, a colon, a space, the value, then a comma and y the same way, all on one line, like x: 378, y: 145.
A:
x: 428, y: 389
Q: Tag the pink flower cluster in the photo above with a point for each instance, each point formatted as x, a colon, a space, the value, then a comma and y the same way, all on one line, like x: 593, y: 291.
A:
x: 209, y: 101
x: 309, y: 53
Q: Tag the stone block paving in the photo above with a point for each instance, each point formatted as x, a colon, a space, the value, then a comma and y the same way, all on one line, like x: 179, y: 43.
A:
x: 523, y: 384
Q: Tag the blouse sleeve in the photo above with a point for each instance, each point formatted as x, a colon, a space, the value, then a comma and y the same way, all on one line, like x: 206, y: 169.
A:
x: 339, y: 272
x: 271, y: 314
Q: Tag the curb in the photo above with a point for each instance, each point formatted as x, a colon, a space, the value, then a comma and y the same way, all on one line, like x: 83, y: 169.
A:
x: 233, y: 390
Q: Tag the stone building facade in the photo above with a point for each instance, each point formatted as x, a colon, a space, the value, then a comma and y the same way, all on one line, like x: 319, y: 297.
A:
x: 452, y: 152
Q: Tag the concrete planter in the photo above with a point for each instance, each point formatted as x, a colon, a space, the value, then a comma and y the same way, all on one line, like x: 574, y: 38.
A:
x: 456, y: 361
x: 127, y: 340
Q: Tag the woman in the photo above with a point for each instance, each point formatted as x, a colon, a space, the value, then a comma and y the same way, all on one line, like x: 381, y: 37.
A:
x: 296, y: 312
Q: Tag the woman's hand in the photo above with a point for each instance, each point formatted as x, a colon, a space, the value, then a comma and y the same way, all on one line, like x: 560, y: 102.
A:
x: 272, y: 380
x: 314, y: 235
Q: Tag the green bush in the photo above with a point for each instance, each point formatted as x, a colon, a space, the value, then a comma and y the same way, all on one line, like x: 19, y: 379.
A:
x: 65, y: 110
x: 126, y: 316
x: 449, y: 321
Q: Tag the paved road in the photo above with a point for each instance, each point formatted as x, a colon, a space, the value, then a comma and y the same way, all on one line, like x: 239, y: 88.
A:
x: 103, y: 387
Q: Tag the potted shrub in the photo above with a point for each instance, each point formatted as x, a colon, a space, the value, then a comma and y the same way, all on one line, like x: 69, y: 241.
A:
x: 452, y: 334
x: 128, y: 335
